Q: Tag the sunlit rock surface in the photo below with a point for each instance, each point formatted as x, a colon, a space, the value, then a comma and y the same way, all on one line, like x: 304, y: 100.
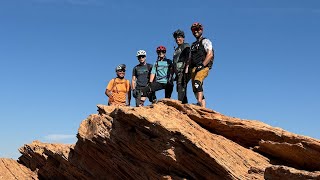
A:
x: 170, y: 140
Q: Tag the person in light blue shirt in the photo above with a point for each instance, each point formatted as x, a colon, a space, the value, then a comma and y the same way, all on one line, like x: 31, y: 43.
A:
x: 160, y: 77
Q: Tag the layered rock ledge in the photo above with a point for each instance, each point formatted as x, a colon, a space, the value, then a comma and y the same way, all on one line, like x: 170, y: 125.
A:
x: 170, y: 140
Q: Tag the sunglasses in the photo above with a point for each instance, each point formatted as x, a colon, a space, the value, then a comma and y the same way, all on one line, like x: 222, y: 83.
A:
x: 196, y: 29
x: 141, y: 56
x: 121, y: 70
x: 161, y: 51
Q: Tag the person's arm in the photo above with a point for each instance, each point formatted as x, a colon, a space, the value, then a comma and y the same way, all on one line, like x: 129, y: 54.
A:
x: 133, y: 82
x: 152, y: 74
x: 208, y: 47
x: 108, y: 91
x: 171, y: 73
x: 151, y: 78
x: 208, y: 58
x: 134, y: 78
x: 188, y: 56
x: 129, y: 95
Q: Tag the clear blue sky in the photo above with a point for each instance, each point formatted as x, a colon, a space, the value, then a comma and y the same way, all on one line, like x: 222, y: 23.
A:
x: 56, y: 57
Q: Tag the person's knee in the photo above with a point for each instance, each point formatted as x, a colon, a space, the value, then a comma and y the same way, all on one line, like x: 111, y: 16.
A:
x: 179, y: 87
x: 197, y: 86
x: 146, y: 91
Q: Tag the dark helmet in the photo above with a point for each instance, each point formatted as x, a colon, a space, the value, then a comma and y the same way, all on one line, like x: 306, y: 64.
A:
x: 121, y: 67
x: 178, y: 33
x: 161, y: 48
x: 196, y: 25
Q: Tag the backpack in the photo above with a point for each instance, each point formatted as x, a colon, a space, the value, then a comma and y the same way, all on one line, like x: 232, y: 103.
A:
x: 170, y: 64
x: 115, y: 83
x: 198, y: 44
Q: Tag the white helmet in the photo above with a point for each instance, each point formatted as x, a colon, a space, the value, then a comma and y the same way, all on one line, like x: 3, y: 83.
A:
x: 141, y: 53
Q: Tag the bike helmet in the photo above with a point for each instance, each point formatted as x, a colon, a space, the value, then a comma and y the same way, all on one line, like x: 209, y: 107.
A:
x: 161, y: 48
x: 196, y: 25
x: 141, y: 53
x: 121, y: 67
x: 178, y: 33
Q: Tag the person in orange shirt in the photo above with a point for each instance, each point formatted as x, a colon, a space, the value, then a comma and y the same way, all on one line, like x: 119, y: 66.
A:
x: 118, y: 89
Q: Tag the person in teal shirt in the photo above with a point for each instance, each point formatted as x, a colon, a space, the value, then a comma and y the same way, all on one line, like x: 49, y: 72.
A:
x: 160, y: 77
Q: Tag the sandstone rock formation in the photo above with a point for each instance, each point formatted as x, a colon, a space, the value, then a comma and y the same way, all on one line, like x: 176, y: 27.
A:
x: 283, y: 172
x: 11, y: 169
x: 170, y: 140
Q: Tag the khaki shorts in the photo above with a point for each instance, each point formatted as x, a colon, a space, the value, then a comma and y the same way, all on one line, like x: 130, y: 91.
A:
x: 199, y: 76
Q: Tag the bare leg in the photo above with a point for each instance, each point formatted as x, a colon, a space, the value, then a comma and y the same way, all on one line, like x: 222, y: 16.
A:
x: 142, y: 101
x: 200, y: 98
x: 203, y: 103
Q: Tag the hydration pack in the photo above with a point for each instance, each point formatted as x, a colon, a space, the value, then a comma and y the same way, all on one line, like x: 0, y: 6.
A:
x: 198, y: 54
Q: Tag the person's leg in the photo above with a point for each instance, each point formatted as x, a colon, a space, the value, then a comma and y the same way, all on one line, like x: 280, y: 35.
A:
x: 200, y: 98
x: 146, y: 91
x: 203, y: 99
x: 153, y: 97
x: 193, y: 75
x: 168, y: 89
x: 138, y: 96
x: 186, y: 79
x: 150, y: 90
x: 180, y: 88
x: 193, y: 81
x: 203, y: 102
x: 198, y: 83
x: 142, y: 100
x: 185, y: 98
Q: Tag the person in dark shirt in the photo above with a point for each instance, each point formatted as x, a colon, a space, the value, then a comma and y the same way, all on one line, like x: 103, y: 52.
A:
x: 180, y: 59
x: 202, y: 55
x: 140, y: 77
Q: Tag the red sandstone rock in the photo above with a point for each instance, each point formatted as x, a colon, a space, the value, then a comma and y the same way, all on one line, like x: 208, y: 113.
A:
x: 283, y: 172
x: 299, y: 151
x: 11, y: 169
x: 170, y: 140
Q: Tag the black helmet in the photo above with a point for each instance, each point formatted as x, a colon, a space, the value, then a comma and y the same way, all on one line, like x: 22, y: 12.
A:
x: 178, y: 33
x: 121, y: 67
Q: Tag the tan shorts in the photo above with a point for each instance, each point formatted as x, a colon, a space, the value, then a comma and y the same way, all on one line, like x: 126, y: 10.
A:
x: 199, y: 76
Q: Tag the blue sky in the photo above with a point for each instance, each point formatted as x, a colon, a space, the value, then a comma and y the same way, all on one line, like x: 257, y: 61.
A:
x: 57, y: 56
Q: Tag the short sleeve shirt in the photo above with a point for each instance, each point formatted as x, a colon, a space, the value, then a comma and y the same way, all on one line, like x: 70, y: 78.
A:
x: 119, y: 89
x: 207, y: 44
x: 162, y: 70
x: 141, y: 72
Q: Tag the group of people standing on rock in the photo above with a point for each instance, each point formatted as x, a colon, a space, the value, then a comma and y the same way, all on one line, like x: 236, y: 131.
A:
x: 189, y: 62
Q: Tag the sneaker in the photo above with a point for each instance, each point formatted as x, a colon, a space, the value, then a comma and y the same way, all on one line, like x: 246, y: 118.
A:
x: 197, y: 104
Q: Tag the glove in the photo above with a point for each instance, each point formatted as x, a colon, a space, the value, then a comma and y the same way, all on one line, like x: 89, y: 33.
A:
x: 199, y: 67
x: 134, y: 93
